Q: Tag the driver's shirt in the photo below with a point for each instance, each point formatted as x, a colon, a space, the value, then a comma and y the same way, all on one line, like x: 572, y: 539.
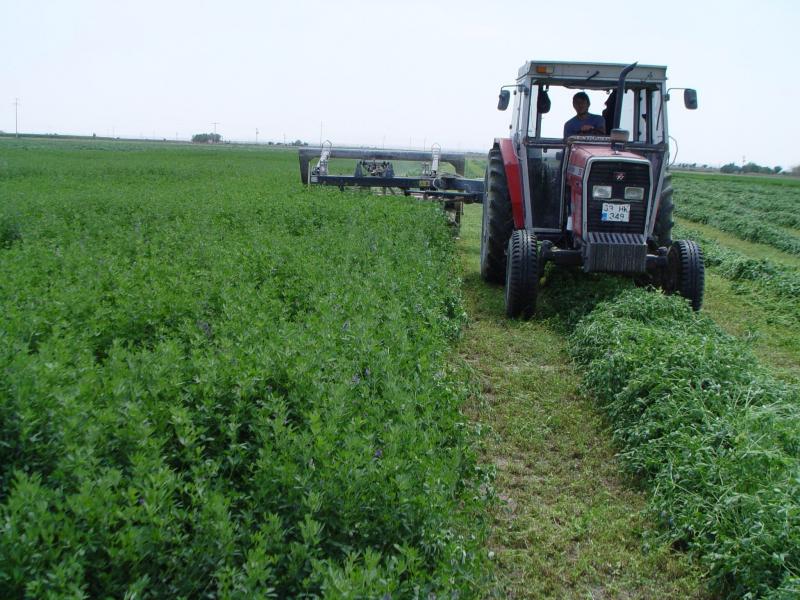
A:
x: 573, y: 126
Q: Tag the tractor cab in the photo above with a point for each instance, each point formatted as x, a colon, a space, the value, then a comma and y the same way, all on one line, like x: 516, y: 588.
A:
x: 601, y: 196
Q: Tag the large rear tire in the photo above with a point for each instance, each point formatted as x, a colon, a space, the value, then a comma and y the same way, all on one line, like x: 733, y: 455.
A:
x: 662, y: 230
x: 522, y: 274
x: 686, y: 272
x: 498, y: 220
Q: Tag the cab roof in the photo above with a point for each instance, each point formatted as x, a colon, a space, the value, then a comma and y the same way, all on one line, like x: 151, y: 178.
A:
x: 584, y: 74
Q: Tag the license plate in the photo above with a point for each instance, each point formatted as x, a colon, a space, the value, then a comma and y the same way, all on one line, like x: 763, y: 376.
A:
x: 616, y: 213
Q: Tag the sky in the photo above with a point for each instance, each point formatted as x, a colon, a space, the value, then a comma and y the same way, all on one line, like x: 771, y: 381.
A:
x: 393, y: 73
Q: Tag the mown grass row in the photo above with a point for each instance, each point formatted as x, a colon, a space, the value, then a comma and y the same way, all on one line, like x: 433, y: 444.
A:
x: 216, y: 383
x: 766, y: 195
x: 710, y: 432
x: 762, y: 210
x: 775, y: 280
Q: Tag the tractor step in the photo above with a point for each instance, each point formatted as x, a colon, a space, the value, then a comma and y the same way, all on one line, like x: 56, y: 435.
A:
x: 615, y: 253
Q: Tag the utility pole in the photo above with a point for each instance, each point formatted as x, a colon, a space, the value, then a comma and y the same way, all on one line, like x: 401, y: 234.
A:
x: 256, y: 135
x: 16, y: 117
x: 215, y: 123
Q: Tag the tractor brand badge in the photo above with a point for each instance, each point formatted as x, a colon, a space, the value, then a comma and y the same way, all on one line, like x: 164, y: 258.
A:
x: 619, y: 176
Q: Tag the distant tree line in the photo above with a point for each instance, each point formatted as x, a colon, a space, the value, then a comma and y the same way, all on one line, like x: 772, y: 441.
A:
x: 692, y: 166
x: 215, y: 138
x: 206, y: 138
x: 750, y: 167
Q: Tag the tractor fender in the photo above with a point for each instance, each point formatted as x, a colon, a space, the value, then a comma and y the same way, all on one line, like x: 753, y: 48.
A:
x: 513, y: 179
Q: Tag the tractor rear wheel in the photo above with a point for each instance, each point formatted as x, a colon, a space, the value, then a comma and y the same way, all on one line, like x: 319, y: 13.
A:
x: 662, y: 230
x: 685, y: 272
x: 522, y: 274
x: 498, y: 220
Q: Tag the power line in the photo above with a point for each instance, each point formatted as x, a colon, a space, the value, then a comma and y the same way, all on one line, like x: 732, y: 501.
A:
x: 16, y: 117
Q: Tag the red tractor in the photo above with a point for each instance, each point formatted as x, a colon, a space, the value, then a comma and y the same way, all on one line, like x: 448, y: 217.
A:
x: 598, y: 195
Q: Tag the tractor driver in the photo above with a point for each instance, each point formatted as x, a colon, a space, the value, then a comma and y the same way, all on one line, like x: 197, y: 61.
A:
x: 584, y: 123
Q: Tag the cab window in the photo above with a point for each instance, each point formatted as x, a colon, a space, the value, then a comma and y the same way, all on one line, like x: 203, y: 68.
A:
x: 552, y: 122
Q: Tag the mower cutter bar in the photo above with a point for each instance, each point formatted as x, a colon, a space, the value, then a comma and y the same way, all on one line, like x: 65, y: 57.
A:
x: 369, y: 173
x: 450, y: 188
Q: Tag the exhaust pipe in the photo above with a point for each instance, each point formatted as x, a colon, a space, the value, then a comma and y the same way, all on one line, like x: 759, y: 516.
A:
x: 621, y: 94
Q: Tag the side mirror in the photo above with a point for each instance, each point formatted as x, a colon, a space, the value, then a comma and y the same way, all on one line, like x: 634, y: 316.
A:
x: 690, y: 98
x: 502, y: 102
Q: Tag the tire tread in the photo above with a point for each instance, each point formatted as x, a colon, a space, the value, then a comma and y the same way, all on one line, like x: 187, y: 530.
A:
x: 522, y: 274
x: 498, y: 220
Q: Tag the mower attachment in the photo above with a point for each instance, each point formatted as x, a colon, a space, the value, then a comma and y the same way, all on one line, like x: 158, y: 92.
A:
x: 374, y: 170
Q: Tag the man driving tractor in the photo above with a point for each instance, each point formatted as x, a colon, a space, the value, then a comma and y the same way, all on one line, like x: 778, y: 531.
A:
x: 584, y: 123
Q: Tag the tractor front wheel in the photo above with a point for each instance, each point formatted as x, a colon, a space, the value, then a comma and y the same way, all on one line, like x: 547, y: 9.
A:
x: 522, y: 274
x: 685, y: 272
x: 498, y: 220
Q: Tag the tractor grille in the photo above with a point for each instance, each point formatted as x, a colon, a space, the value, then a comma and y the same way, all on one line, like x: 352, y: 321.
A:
x: 603, y: 173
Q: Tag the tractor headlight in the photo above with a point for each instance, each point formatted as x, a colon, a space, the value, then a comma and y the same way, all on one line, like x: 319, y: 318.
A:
x: 601, y: 191
x: 634, y: 193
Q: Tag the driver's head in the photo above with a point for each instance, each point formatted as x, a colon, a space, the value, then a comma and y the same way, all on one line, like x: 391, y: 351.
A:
x: 580, y: 102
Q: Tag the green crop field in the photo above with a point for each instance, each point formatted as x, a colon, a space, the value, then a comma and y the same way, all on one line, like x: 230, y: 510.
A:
x: 757, y: 209
x: 217, y: 382
x: 748, y: 229
x: 220, y: 383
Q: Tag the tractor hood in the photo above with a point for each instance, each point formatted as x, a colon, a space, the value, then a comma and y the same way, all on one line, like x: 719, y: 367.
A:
x: 610, y: 191
x: 580, y: 154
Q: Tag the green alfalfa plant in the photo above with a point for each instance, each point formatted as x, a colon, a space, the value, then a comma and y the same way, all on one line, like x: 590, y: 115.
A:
x: 706, y: 428
x: 223, y: 381
x: 749, y: 208
x: 10, y: 230
x: 772, y: 278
